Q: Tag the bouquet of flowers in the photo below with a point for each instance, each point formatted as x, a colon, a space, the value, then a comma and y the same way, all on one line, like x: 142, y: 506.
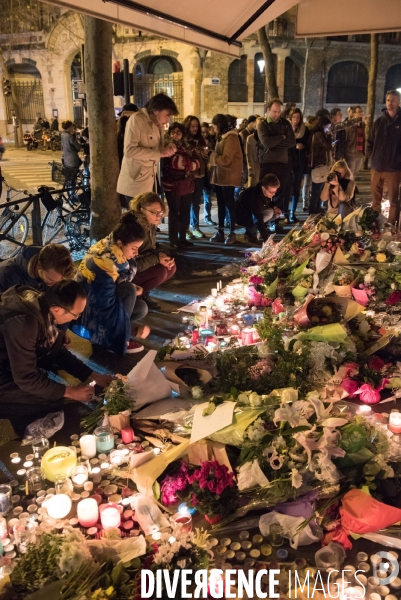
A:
x: 117, y: 406
x: 323, y: 312
x: 369, y: 221
x: 366, y: 380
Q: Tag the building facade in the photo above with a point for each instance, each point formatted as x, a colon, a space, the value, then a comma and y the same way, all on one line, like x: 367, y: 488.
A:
x: 42, y: 69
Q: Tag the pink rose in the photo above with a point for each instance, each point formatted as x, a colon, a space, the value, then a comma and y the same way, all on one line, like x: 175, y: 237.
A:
x: 368, y: 395
x: 350, y: 386
x: 277, y: 306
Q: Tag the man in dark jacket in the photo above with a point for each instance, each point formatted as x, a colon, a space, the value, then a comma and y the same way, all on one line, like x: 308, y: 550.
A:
x: 31, y: 345
x: 276, y: 137
x: 255, y: 208
x: 384, y: 148
x: 37, y: 266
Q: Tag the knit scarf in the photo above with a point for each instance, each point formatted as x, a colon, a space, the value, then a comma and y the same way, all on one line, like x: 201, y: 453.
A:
x: 360, y: 138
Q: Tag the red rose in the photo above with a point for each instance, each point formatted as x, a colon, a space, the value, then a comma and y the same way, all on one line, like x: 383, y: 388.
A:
x: 376, y: 363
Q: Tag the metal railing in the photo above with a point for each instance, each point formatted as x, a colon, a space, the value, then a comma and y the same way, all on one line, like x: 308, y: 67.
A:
x: 28, y: 101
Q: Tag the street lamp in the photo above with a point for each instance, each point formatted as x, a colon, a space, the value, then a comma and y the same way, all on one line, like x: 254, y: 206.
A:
x: 261, y: 65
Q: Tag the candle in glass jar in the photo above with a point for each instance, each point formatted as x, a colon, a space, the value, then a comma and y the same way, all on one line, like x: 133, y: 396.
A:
x: 183, y: 520
x: 247, y: 336
x: 87, y: 512
x: 110, y: 516
x: 394, y: 423
x: 127, y: 435
x: 88, y: 445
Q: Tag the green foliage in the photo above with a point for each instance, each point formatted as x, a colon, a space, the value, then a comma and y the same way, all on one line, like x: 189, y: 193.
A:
x: 38, y: 566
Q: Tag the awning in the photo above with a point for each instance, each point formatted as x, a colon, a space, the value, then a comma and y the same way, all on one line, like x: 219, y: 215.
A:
x: 212, y: 24
x: 317, y: 18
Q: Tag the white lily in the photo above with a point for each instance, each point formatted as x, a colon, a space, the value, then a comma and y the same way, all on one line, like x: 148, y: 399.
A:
x: 289, y: 412
x: 296, y: 478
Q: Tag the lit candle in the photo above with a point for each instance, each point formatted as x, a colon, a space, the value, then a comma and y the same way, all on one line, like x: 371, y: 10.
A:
x: 88, y: 445
x: 214, y: 292
x: 87, y: 512
x: 183, y: 521
x: 127, y: 435
x: 365, y: 410
x: 104, y: 439
x: 96, y: 475
x: 58, y: 506
x: 394, y: 424
x: 110, y: 516
x: 247, y: 336
x: 59, y: 460
x: 116, y: 458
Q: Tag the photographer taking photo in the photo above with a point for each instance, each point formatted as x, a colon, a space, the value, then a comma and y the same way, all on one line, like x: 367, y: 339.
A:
x: 339, y: 190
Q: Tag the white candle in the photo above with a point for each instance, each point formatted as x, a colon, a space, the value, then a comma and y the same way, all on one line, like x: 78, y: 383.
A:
x: 365, y: 410
x: 87, y: 512
x: 110, y: 516
x: 79, y: 479
x: 214, y: 292
x: 88, y: 445
x: 58, y: 506
x: 394, y: 423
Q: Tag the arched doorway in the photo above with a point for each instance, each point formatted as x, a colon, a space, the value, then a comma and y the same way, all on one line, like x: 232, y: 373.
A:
x: 77, y: 90
x: 347, y: 83
x: 158, y: 74
x: 26, y: 98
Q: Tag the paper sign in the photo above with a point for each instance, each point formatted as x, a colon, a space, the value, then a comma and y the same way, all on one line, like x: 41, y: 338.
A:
x: 222, y: 417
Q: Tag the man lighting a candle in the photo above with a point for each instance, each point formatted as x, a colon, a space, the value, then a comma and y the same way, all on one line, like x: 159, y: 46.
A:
x: 31, y: 345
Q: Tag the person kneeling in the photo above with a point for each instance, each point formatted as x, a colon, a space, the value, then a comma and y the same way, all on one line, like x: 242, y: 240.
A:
x: 107, y: 272
x: 339, y: 190
x: 255, y: 208
x: 154, y: 267
x: 31, y: 345
x: 37, y: 266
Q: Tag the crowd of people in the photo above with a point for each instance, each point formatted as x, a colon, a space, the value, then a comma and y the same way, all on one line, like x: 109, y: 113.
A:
x: 258, y: 173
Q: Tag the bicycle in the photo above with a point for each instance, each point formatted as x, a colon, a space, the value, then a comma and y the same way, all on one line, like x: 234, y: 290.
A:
x: 14, y: 223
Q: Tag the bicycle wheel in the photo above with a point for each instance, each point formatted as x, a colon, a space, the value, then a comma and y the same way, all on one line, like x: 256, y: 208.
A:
x: 51, y: 225
x: 78, y: 230
x: 18, y: 232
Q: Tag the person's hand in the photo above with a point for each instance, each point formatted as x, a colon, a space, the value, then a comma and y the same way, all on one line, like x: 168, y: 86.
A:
x: 166, y: 261
x: 300, y: 146
x: 139, y: 290
x: 334, y: 181
x: 81, y: 393
x: 277, y: 211
x: 102, y: 380
x: 168, y: 151
x: 284, y: 137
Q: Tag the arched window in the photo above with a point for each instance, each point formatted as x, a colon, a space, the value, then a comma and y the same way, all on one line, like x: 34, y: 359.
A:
x: 162, y: 66
x: 237, y: 87
x: 393, y: 79
x: 347, y: 83
x: 259, y: 76
x: 292, y: 81
x: 27, y: 92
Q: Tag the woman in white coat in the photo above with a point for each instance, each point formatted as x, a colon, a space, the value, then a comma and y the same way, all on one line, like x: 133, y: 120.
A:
x: 143, y: 146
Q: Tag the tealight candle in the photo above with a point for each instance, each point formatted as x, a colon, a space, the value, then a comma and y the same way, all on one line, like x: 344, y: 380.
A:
x: 96, y: 475
x: 127, y: 435
x: 79, y: 475
x: 394, y: 423
x: 365, y: 410
x: 87, y: 512
x: 110, y: 516
x: 88, y: 445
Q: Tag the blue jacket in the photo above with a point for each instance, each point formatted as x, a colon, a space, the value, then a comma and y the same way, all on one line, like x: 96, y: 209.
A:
x: 105, y: 320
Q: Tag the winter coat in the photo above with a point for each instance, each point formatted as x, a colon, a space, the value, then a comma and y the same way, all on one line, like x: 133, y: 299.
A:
x: 299, y: 160
x: 320, y: 153
x: 252, y: 149
x: 179, y: 167
x: 24, y: 348
x: 226, y: 162
x: 143, y: 142
x: 105, y: 320
x: 20, y: 270
x: 253, y: 203
x: 384, y: 143
x: 70, y: 147
x: 273, y: 147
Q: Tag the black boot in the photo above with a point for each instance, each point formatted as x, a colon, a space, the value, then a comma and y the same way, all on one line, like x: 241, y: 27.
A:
x: 152, y: 305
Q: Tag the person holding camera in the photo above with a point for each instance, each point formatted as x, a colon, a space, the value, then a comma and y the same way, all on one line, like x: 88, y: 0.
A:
x: 339, y: 190
x: 255, y: 208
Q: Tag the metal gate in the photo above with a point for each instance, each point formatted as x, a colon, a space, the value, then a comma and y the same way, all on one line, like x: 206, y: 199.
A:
x: 28, y: 101
x: 151, y: 84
